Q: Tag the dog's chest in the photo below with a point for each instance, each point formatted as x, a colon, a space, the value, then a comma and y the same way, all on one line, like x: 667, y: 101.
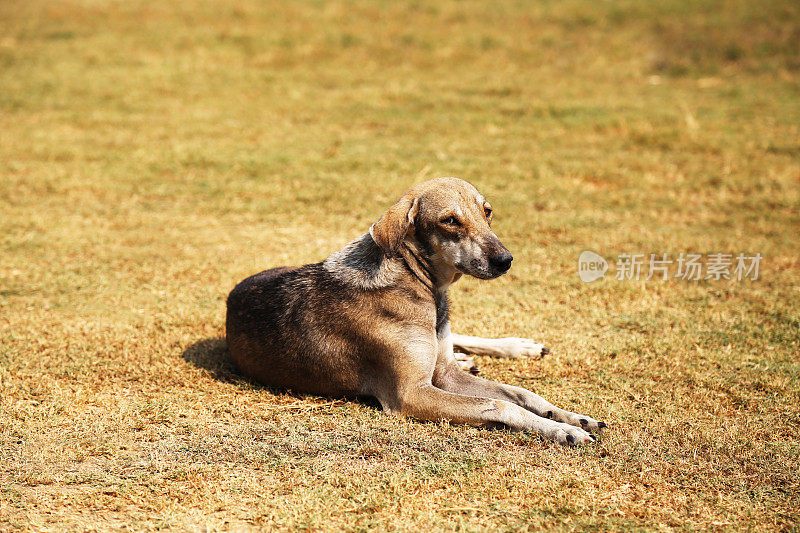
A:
x: 442, y: 313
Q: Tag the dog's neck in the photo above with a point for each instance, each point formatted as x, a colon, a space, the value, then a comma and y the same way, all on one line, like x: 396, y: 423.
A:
x: 435, y: 280
x: 420, y: 267
x: 436, y: 276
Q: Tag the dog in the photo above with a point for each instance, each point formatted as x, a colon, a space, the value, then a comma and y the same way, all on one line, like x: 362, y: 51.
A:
x: 372, y: 320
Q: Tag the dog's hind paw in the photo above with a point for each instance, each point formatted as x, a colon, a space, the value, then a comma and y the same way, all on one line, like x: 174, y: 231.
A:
x: 584, y: 422
x: 466, y: 363
x: 573, y: 436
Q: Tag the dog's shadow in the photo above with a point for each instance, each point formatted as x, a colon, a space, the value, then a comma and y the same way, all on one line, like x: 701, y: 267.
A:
x: 213, y: 356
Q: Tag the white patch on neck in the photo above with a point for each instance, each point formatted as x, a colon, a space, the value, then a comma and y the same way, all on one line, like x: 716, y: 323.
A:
x: 361, y: 263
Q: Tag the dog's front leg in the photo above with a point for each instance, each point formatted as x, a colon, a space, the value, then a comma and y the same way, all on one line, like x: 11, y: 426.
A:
x: 508, y: 347
x: 427, y: 402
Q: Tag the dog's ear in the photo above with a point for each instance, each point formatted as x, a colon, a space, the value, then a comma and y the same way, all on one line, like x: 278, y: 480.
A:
x: 391, y: 229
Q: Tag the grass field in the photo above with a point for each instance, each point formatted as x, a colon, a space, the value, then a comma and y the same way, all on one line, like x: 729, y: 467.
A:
x: 153, y: 154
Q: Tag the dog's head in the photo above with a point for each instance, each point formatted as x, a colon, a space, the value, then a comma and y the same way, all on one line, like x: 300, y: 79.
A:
x: 448, y: 222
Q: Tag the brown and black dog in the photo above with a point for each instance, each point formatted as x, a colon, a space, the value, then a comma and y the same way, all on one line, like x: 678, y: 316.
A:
x: 372, y: 320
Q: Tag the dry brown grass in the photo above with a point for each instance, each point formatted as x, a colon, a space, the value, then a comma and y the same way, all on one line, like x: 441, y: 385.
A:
x: 152, y: 155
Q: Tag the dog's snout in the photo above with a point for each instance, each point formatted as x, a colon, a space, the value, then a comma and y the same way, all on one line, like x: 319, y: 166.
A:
x: 501, y: 261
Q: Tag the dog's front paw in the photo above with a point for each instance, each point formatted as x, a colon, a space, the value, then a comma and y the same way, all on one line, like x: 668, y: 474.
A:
x: 518, y: 347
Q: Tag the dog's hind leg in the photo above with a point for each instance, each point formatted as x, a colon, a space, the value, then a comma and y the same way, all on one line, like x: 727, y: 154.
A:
x: 508, y: 347
x: 427, y: 402
x: 449, y: 377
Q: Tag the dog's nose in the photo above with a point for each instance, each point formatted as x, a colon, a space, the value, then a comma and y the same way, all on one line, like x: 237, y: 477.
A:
x: 501, y: 262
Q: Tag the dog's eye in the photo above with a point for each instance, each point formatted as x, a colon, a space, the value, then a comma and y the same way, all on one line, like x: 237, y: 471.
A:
x: 450, y: 221
x: 487, y: 211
